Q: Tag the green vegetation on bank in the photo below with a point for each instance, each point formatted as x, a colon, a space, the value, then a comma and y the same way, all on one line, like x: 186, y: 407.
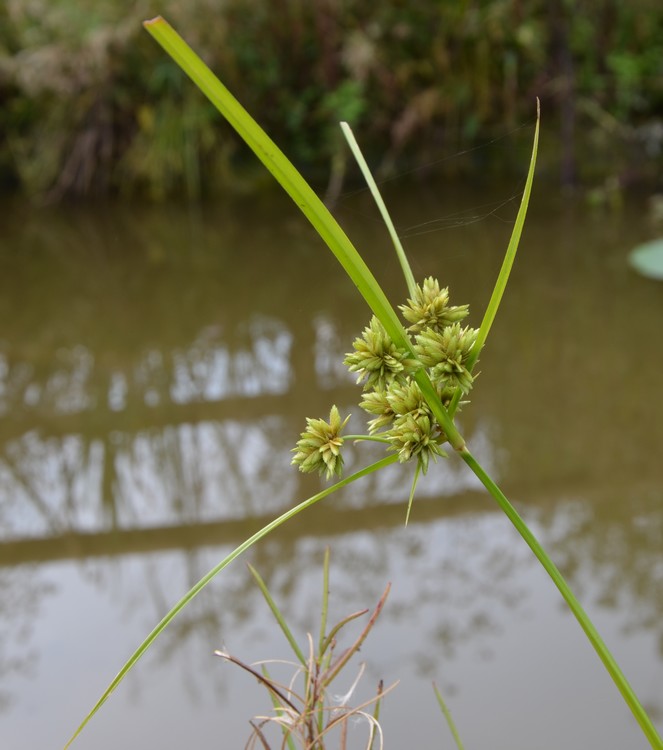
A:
x: 87, y: 105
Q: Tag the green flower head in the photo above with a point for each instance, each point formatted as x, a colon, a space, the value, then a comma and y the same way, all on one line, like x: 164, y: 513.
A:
x: 446, y: 353
x: 430, y: 309
x: 416, y: 437
x: 319, y: 448
x: 376, y: 402
x: 407, y: 398
x: 377, y: 359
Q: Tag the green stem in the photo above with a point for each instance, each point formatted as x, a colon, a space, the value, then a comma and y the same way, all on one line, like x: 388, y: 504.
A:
x: 456, y: 440
x: 585, y: 623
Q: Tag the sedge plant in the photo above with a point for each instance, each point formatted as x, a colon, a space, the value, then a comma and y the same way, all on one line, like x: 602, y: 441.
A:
x: 414, y: 379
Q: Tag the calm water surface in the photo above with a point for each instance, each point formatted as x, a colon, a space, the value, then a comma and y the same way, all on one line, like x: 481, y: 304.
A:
x: 156, y: 367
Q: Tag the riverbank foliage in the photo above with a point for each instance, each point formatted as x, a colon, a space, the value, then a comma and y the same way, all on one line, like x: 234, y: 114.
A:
x: 89, y: 106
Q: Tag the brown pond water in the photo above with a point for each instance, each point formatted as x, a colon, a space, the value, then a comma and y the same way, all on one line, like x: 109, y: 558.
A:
x: 156, y: 367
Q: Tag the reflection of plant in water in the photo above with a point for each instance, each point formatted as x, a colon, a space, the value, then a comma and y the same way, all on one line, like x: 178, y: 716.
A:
x: 631, y: 584
x: 21, y: 596
x: 304, y: 708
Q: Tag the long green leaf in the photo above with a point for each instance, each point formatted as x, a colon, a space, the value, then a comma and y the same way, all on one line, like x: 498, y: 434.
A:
x: 284, y: 172
x: 302, y: 194
x: 510, y: 255
x: 198, y: 587
x: 507, y: 265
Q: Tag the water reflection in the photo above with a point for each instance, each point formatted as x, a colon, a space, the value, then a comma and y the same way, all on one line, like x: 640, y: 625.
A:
x: 153, y: 380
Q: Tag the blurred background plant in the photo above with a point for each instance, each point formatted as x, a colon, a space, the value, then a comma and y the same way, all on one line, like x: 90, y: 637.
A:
x: 87, y: 105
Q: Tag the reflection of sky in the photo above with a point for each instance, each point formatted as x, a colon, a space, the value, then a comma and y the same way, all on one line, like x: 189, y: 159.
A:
x: 206, y: 469
x: 62, y: 389
x: 50, y: 485
x: 330, y: 350
x: 206, y: 371
x: 184, y: 473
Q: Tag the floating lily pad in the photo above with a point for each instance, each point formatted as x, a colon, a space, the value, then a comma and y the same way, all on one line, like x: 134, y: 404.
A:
x: 647, y: 259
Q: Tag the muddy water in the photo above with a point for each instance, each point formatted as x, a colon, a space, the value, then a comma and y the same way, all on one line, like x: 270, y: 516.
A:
x: 156, y: 367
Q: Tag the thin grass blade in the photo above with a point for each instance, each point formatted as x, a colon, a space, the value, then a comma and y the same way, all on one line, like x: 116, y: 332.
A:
x: 376, y: 714
x: 287, y: 736
x: 447, y: 716
x: 323, y: 627
x: 507, y: 265
x: 278, y: 616
x: 335, y: 630
x: 510, y: 255
x: 377, y: 197
x: 325, y: 602
x: 415, y: 479
x: 271, y: 686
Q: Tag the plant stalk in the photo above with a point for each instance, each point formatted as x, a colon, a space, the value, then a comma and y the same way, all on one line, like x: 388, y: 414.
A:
x: 574, y: 605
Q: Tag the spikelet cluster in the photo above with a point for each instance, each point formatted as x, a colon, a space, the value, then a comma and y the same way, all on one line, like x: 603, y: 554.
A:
x: 430, y: 308
x: 391, y: 396
x: 319, y: 447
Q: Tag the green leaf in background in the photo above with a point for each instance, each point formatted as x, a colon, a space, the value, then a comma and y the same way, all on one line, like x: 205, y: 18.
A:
x: 647, y: 259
